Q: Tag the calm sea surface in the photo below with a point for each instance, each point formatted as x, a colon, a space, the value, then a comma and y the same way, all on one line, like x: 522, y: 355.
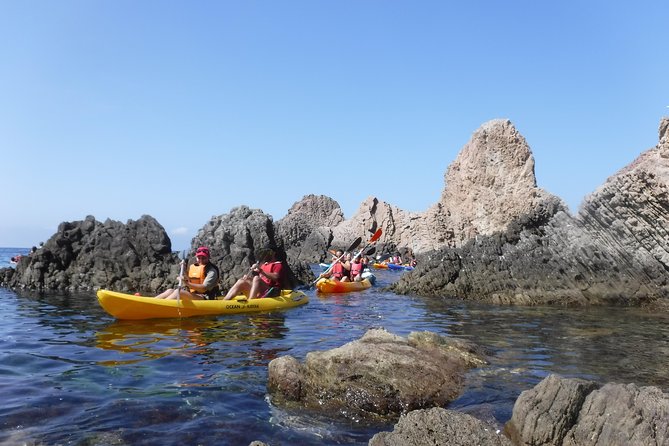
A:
x: 71, y: 374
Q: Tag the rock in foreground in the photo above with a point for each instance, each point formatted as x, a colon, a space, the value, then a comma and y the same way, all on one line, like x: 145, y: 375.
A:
x: 380, y: 374
x: 441, y: 427
x: 571, y: 412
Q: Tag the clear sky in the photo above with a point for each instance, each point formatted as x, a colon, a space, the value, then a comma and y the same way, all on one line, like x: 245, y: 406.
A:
x: 184, y: 110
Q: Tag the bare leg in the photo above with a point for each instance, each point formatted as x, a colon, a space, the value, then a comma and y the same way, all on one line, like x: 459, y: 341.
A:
x: 165, y: 293
x: 242, y: 286
x: 256, y: 288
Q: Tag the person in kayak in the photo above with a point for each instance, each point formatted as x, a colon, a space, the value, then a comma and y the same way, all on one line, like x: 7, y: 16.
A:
x: 202, y: 280
x: 340, y: 268
x: 357, y: 267
x: 264, y: 280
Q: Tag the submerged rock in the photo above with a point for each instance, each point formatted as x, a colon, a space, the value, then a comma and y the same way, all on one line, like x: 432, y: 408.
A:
x: 380, y: 374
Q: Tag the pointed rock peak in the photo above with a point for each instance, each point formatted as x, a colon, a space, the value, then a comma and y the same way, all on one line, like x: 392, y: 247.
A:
x: 497, y: 154
x: 664, y: 128
x: 664, y: 137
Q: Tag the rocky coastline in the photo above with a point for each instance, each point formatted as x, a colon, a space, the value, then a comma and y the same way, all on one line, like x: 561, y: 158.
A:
x: 494, y: 236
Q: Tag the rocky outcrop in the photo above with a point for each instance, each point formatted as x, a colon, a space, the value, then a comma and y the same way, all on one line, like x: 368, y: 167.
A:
x: 87, y: 255
x: 305, y: 230
x: 442, y: 427
x: 236, y: 240
x: 136, y: 256
x: 490, y: 183
x: 570, y: 412
x: 380, y: 374
x: 615, y: 250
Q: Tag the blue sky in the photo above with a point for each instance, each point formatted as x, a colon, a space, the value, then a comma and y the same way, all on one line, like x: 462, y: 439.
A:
x: 184, y: 110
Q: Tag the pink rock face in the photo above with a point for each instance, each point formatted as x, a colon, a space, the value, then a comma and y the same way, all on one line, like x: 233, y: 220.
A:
x: 490, y: 183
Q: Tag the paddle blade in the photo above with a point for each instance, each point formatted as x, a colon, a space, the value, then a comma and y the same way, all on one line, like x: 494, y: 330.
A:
x: 372, y: 230
x: 370, y: 251
x: 376, y: 236
x: 380, y: 259
x: 355, y: 244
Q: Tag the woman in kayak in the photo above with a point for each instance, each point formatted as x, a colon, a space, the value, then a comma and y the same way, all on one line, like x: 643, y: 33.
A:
x: 264, y: 280
x: 202, y: 280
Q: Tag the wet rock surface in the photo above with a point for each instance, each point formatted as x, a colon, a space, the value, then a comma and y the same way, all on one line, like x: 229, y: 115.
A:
x: 442, y: 427
x: 380, y: 374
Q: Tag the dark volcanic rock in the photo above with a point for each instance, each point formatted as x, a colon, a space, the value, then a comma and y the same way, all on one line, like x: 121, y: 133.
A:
x: 87, y: 255
x: 571, y: 412
x: 378, y: 375
x: 305, y: 230
x: 614, y: 251
x: 237, y: 239
x: 441, y: 427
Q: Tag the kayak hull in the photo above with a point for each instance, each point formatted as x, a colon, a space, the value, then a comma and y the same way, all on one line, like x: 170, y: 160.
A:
x: 400, y: 267
x: 128, y: 306
x: 333, y: 286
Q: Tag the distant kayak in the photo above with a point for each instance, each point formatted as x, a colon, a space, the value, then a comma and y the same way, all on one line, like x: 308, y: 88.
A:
x: 399, y: 267
x: 334, y: 286
x: 128, y: 306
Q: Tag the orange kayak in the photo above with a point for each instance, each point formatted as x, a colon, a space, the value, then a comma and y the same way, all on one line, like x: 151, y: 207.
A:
x: 333, y: 286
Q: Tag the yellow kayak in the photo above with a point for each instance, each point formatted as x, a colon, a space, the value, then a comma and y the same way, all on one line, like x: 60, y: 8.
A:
x: 332, y: 286
x: 128, y: 306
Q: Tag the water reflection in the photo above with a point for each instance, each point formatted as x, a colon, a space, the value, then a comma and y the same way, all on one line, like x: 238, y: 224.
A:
x: 139, y: 341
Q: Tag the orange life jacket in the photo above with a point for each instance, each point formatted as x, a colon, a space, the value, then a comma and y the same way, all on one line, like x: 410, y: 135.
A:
x: 197, y: 273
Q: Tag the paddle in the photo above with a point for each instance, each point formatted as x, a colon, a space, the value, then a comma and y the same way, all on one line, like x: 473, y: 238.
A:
x: 380, y: 259
x: 182, y: 254
x: 375, y: 237
x: 354, y: 245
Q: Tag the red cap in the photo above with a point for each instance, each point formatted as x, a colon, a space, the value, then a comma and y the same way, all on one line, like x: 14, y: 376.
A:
x: 202, y: 251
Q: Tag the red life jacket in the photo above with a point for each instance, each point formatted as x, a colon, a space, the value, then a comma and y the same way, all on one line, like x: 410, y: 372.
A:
x: 274, y: 267
x: 356, y: 269
x: 338, y: 271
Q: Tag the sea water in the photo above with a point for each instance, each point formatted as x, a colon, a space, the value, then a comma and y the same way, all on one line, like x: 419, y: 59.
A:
x: 71, y: 374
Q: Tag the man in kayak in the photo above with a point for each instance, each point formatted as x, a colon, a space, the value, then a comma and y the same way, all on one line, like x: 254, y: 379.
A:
x: 340, y: 269
x: 202, y: 280
x: 264, y: 280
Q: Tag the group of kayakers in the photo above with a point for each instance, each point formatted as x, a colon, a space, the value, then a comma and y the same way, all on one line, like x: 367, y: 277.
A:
x: 201, y: 282
x: 345, y: 267
x: 263, y: 279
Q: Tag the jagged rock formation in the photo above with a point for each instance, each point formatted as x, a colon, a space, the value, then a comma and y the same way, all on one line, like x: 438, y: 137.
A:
x: 570, y: 412
x: 235, y: 241
x: 305, y: 231
x: 136, y: 256
x: 87, y: 255
x: 490, y: 183
x: 615, y: 250
x: 376, y: 375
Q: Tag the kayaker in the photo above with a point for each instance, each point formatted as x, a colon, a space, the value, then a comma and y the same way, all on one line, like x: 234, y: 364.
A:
x: 202, y: 280
x: 341, y: 265
x: 357, y: 267
x: 264, y: 280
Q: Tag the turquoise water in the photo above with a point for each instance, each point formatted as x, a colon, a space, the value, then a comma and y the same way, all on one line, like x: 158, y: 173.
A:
x: 70, y: 374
